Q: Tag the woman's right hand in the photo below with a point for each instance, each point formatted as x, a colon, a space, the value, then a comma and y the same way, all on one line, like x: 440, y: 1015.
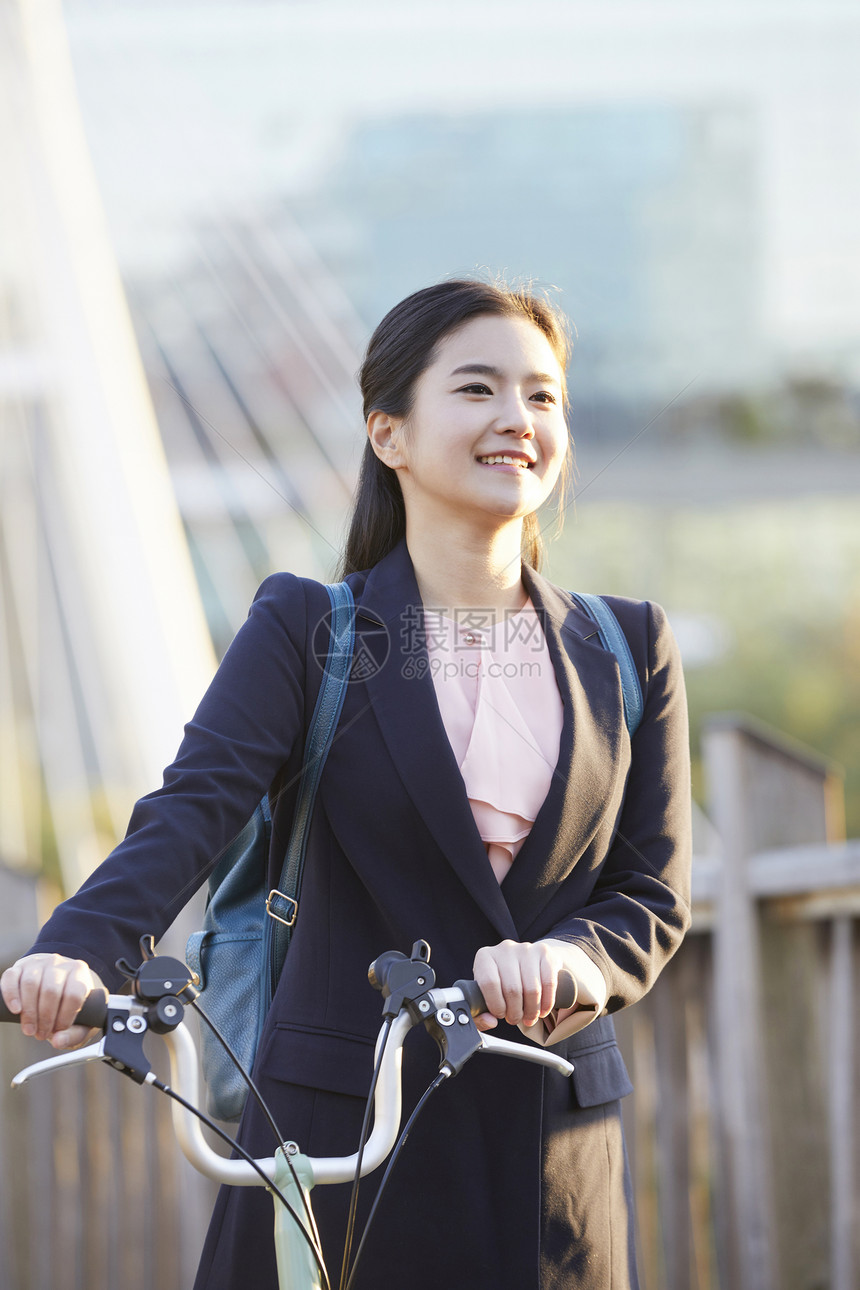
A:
x: 47, y: 990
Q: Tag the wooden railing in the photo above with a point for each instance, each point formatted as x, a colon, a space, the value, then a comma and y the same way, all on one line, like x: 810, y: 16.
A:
x: 744, y: 1058
x: 94, y: 1194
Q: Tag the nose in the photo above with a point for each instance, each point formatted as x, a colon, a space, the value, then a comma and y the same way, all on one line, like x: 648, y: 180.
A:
x: 516, y: 417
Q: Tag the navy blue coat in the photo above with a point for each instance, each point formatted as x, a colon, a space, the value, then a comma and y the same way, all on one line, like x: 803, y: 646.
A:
x: 513, y: 1177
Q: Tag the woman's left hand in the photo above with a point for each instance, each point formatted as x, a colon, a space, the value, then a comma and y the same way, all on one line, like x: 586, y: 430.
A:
x: 518, y: 981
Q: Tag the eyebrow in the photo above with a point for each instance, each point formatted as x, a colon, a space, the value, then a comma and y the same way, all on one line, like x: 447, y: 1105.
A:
x: 487, y: 369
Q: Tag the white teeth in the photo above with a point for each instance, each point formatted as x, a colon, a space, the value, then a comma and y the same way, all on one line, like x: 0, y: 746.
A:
x: 509, y: 461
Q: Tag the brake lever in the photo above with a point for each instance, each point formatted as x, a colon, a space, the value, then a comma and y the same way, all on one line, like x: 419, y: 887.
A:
x: 539, y: 1056
x: 450, y: 1022
x: 92, y: 1053
x: 161, y: 985
x: 121, y: 1046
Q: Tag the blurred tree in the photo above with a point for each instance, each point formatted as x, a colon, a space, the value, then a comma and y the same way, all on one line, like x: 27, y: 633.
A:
x: 764, y: 596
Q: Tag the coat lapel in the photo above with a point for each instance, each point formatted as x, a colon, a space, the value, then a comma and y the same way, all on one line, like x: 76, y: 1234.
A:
x: 404, y: 702
x: 403, y: 696
x: 590, y: 755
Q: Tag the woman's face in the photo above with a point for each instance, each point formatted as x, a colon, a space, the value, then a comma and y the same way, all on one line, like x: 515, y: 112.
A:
x: 493, y: 391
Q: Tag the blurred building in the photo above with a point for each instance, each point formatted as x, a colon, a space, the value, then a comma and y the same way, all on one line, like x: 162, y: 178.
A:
x: 685, y: 173
x: 647, y: 216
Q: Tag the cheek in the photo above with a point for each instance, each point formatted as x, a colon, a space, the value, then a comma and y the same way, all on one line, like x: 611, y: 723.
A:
x: 557, y: 467
x: 560, y: 446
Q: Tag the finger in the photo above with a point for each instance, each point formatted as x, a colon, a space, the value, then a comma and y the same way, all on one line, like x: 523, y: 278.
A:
x: 486, y: 1021
x: 76, y: 988
x: 512, y: 989
x: 486, y: 973
x: 73, y: 1037
x: 29, y: 981
x: 531, y: 996
x: 549, y: 986
x: 9, y: 988
x: 51, y: 987
x: 532, y: 988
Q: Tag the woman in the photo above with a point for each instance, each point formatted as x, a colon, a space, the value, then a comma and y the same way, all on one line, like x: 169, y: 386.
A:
x: 482, y: 793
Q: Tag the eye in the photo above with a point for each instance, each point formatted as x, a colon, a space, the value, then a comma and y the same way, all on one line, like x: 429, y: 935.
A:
x: 545, y: 396
x: 475, y: 388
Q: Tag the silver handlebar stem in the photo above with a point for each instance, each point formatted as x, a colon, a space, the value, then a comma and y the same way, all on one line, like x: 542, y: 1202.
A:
x: 185, y: 1080
x: 238, y: 1173
x: 387, y: 1106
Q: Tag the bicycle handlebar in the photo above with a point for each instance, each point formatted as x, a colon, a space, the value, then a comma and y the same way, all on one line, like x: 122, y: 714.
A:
x: 565, y: 994
x: 93, y: 1012
x: 447, y: 1013
x: 387, y: 1106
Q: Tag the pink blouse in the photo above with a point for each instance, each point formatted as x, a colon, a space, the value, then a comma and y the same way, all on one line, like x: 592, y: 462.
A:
x: 502, y: 711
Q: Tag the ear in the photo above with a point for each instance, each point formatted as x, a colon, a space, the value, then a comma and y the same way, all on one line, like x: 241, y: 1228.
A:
x: 384, y: 433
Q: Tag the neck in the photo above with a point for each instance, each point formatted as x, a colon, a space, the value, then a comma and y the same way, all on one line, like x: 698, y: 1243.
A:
x: 466, y: 568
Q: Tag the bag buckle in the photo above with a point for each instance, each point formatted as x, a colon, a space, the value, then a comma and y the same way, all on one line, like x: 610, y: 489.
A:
x: 273, y: 895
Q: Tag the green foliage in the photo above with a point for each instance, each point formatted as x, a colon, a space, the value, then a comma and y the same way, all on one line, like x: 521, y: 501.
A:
x: 801, y: 679
x: 777, y: 583
x: 801, y: 411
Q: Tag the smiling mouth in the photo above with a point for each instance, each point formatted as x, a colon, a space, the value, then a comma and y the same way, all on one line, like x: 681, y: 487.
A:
x: 500, y: 459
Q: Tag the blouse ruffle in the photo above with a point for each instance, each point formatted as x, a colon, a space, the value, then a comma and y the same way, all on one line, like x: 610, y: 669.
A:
x: 502, y: 711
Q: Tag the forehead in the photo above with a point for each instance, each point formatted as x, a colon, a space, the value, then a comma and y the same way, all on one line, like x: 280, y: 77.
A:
x: 512, y: 344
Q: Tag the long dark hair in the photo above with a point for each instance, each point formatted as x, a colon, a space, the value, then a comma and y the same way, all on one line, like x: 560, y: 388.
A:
x: 400, y: 350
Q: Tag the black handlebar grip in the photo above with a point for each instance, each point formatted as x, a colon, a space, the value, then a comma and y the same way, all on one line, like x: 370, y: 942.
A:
x: 93, y: 1012
x: 565, y: 994
x: 472, y: 994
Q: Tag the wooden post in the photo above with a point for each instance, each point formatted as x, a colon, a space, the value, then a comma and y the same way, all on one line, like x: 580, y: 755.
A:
x: 703, y: 1165
x: 673, y: 1122
x: 765, y: 792
x: 644, y: 1145
x: 750, y: 1256
x: 841, y: 1120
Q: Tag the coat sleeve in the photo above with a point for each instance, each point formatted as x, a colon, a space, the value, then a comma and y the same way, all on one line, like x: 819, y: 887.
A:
x: 639, y: 908
x: 239, y: 737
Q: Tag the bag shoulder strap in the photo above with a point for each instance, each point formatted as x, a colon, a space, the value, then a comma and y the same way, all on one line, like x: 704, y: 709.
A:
x: 282, y: 903
x: 613, y: 639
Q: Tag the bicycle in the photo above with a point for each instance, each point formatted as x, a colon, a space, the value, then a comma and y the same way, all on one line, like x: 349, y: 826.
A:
x: 161, y: 988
